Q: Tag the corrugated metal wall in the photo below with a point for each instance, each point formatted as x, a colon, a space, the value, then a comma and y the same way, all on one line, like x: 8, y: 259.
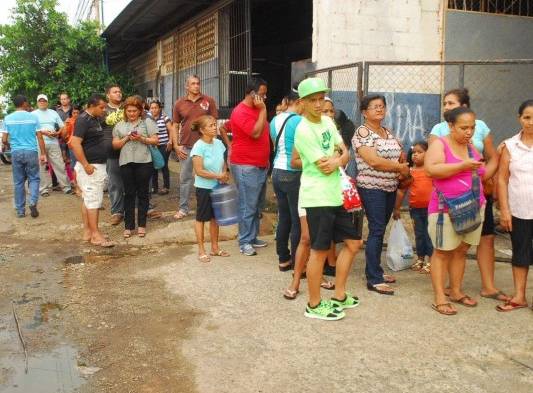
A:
x: 215, y: 47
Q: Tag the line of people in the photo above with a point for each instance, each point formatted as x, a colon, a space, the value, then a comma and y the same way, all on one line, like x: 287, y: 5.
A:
x: 450, y: 179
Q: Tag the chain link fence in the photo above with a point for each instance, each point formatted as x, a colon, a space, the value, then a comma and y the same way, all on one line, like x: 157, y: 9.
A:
x: 414, y: 92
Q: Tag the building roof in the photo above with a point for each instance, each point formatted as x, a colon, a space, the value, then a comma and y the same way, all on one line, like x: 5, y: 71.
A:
x: 142, y: 22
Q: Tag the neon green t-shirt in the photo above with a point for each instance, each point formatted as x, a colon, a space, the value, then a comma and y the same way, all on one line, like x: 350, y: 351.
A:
x: 314, y: 141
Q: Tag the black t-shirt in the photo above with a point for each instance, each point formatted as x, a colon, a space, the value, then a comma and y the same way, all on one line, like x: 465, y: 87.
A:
x: 108, y: 133
x: 89, y: 129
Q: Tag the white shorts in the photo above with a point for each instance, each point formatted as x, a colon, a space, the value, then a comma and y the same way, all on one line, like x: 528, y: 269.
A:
x: 301, y: 211
x: 92, y: 186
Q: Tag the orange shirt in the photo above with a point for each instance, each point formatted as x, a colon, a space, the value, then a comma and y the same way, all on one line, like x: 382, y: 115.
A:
x: 421, y: 188
x: 69, y: 127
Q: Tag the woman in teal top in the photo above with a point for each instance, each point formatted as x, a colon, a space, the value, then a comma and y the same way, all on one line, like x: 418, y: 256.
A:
x: 210, y: 169
x: 482, y: 141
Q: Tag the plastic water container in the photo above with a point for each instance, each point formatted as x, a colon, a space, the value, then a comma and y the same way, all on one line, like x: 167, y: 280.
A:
x: 225, y: 202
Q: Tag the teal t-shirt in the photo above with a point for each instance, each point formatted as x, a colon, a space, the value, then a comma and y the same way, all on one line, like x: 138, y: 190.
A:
x: 478, y: 139
x: 314, y: 141
x: 22, y: 128
x: 48, y: 119
x: 213, y: 160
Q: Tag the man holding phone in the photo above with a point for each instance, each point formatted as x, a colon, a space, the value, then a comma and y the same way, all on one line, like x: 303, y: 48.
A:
x: 51, y: 129
x: 249, y: 160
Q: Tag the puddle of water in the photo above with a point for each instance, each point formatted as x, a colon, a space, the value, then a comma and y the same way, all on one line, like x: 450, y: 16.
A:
x: 42, y: 314
x: 53, y: 372
x: 94, y: 258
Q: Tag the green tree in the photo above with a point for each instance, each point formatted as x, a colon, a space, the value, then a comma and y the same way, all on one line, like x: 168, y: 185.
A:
x: 41, y: 53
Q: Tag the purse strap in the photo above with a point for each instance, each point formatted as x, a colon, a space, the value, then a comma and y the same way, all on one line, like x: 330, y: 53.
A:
x: 281, y: 130
x: 475, y: 176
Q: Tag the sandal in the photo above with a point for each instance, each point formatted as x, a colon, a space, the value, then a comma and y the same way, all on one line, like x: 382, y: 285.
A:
x: 127, y: 234
x: 219, y: 253
x: 510, y: 306
x: 438, y: 308
x: 463, y: 301
x: 419, y: 264
x: 104, y: 244
x: 290, y: 294
x: 388, y: 279
x: 285, y: 266
x: 426, y: 269
x: 498, y: 295
x: 330, y: 286
x: 204, y: 258
x: 382, y: 289
x: 141, y: 232
x: 164, y: 191
x: 180, y: 214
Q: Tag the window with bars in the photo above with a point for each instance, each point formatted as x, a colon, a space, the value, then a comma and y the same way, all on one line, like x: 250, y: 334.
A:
x: 506, y: 7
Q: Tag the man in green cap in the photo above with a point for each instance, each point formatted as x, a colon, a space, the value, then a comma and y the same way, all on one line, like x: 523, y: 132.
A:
x: 318, y: 143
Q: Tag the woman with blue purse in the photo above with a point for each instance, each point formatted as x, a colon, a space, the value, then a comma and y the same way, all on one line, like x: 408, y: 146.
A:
x: 456, y: 207
x: 136, y: 138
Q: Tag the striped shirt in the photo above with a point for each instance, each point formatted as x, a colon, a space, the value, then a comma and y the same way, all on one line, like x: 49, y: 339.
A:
x: 521, y: 178
x: 389, y: 148
x: 162, y: 131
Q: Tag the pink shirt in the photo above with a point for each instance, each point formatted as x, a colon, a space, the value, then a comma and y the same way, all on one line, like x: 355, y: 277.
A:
x: 520, y: 189
x: 457, y: 184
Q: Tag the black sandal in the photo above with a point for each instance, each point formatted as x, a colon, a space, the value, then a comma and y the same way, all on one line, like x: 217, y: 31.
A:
x: 286, y: 266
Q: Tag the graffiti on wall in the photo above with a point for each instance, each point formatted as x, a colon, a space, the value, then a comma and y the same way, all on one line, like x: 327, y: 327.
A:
x: 411, y: 116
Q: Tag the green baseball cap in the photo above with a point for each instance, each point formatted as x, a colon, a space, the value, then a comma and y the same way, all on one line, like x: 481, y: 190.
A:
x: 311, y: 86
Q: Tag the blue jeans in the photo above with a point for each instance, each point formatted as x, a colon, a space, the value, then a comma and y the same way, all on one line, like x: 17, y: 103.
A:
x: 115, y: 186
x: 25, y: 166
x: 287, y: 186
x: 186, y: 182
x: 249, y: 180
x: 424, y: 247
x: 378, y: 206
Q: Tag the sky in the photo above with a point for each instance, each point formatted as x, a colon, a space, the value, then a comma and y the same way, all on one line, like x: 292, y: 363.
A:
x: 111, y: 9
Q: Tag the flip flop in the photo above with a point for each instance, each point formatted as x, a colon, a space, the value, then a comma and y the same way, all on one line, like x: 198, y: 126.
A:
x: 330, y: 286
x: 376, y: 288
x: 204, y: 258
x: 462, y: 301
x: 290, y: 294
x: 219, y: 253
x: 179, y: 215
x: 283, y: 267
x: 388, y: 279
x: 514, y: 306
x: 499, y: 295
x: 104, y: 244
x: 141, y: 232
x: 127, y: 234
x: 437, y: 308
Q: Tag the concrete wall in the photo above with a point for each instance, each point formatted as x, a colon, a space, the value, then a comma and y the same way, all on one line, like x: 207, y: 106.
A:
x: 481, y: 36
x: 346, y: 31
x: 496, y: 90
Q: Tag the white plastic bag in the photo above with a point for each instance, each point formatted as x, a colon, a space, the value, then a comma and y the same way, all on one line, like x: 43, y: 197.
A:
x: 399, y: 248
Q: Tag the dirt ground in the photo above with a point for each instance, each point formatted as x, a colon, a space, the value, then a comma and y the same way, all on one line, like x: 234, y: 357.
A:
x: 146, y: 316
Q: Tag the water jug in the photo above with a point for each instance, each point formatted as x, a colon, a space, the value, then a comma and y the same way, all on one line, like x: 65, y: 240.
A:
x: 225, y: 202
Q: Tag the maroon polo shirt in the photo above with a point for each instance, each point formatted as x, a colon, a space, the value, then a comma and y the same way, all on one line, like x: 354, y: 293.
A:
x: 186, y: 111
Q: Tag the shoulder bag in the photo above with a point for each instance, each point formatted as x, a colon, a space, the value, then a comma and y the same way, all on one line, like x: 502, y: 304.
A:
x: 158, y: 161
x: 464, y: 210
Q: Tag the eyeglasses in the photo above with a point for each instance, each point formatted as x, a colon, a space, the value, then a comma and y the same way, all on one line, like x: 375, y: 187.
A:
x: 376, y: 107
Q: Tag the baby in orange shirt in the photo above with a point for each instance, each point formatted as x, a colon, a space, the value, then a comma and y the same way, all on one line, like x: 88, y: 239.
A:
x: 420, y: 188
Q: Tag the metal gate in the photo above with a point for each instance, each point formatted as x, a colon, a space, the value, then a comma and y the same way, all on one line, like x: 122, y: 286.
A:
x: 414, y: 90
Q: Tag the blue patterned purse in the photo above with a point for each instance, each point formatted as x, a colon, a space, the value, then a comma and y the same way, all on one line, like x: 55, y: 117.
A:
x: 464, y: 210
